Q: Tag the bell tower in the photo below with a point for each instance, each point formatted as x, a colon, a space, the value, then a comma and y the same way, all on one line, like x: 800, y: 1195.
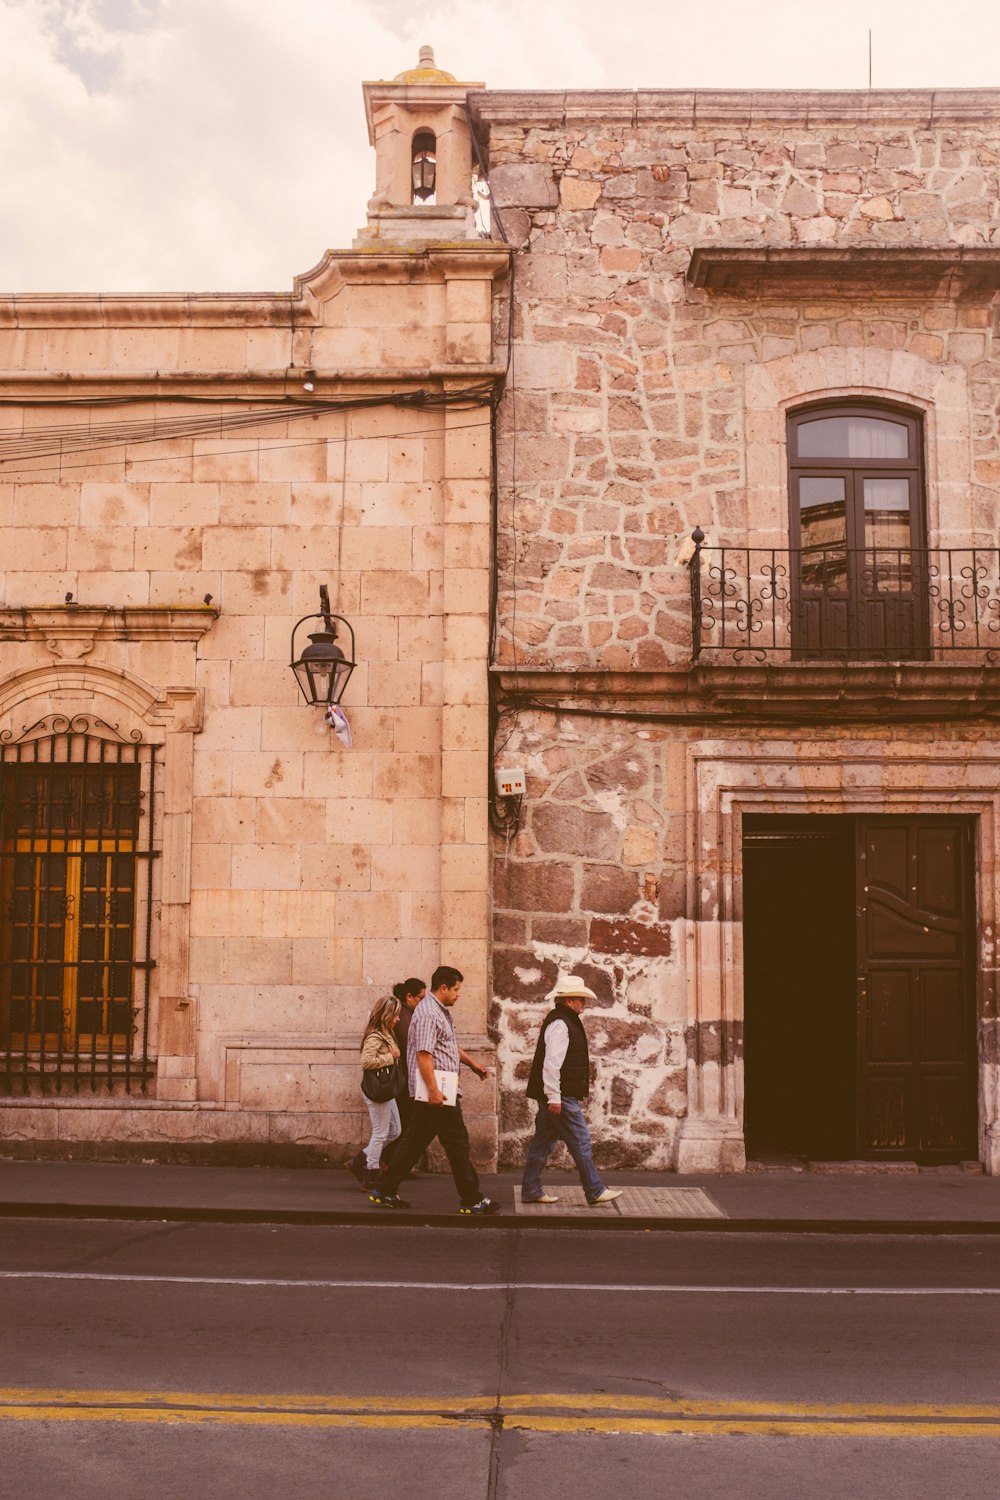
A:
x: 423, y: 158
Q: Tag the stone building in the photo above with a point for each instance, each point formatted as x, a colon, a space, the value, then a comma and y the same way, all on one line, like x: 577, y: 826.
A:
x: 749, y: 600
x: 203, y: 889
x: 730, y: 597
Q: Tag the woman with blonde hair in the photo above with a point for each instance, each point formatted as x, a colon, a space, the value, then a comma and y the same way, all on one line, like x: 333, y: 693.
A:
x: 379, y: 1051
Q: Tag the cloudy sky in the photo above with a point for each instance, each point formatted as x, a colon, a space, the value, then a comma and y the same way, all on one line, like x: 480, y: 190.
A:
x: 220, y: 145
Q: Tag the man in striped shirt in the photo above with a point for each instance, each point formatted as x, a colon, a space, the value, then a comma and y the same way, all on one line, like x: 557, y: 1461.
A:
x: 433, y: 1045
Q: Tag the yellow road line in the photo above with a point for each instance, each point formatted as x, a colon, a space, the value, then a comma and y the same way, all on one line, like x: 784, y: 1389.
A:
x: 690, y: 1406
x: 228, y: 1417
x: 543, y: 1412
x: 689, y: 1427
x: 248, y: 1400
x: 664, y: 1426
x: 572, y: 1407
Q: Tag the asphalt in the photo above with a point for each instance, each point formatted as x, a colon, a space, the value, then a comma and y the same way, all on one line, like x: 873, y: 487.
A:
x: 846, y: 1199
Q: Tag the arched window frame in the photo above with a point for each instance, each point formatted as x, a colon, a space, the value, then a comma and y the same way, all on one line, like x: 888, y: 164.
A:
x: 913, y: 464
x: 856, y: 593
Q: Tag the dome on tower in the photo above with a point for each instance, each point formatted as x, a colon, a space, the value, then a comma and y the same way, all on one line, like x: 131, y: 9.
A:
x: 425, y: 71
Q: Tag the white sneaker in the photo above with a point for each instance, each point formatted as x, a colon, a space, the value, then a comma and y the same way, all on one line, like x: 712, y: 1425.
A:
x: 545, y: 1198
x: 608, y: 1196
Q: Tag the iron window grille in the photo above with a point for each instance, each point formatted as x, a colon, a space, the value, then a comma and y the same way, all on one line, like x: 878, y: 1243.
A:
x: 76, y: 896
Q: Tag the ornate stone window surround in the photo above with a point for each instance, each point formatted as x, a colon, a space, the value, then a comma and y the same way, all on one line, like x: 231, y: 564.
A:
x: 169, y: 718
x: 937, y: 393
x: 725, y: 781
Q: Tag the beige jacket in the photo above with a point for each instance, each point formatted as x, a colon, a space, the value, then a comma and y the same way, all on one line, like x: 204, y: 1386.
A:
x: 377, y: 1051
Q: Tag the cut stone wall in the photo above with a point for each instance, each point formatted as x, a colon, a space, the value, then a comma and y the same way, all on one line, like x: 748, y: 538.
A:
x: 311, y: 876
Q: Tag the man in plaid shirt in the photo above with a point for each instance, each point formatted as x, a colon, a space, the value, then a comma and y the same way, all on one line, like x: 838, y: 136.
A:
x: 432, y: 1044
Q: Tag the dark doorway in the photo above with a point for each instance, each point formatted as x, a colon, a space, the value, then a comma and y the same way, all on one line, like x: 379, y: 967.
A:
x: 859, y: 998
x: 800, y: 1029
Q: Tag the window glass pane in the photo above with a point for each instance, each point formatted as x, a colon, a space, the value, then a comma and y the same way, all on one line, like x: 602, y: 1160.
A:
x: 823, y: 527
x: 887, y: 513
x: 49, y: 1016
x: 887, y: 533
x: 853, y: 437
x: 89, y: 1018
x: 121, y: 1018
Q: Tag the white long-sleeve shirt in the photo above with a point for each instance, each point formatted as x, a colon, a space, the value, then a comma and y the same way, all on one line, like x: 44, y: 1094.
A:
x: 556, y: 1047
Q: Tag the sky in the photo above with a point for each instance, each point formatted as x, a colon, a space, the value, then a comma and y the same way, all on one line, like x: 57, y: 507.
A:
x: 220, y: 145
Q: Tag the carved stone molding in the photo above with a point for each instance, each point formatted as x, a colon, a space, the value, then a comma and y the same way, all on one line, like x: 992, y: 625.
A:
x: 881, y: 270
x: 76, y: 686
x: 71, y: 631
x: 808, y: 692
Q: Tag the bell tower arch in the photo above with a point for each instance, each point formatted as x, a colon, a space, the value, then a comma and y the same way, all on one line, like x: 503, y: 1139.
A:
x: 419, y: 127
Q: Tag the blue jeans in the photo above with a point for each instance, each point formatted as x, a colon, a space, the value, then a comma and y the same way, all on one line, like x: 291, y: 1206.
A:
x: 385, y: 1128
x: 569, y: 1126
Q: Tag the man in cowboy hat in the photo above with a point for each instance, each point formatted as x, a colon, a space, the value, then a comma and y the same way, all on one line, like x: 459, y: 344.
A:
x: 559, y: 1079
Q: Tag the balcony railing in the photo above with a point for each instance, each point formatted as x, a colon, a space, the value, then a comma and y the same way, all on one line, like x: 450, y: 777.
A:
x: 836, y: 603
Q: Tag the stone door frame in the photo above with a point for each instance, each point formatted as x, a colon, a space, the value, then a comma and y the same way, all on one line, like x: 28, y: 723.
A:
x: 859, y: 777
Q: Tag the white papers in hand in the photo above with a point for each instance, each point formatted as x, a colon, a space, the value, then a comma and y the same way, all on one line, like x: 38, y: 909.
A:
x: 447, y: 1083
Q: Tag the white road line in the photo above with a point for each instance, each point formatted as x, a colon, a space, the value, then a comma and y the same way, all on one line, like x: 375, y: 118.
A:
x: 631, y: 1288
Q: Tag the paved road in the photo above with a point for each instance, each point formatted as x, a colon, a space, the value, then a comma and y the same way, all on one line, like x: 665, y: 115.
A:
x: 348, y: 1363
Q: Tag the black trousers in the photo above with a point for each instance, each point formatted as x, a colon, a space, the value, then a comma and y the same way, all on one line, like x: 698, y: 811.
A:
x: 444, y: 1122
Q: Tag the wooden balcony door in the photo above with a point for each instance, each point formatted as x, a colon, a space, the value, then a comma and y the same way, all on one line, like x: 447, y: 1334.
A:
x: 859, y: 584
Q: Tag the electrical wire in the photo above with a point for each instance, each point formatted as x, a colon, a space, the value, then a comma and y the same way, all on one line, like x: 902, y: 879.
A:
x: 504, y: 812
x: 275, y: 447
x: 61, y: 441
x: 56, y: 441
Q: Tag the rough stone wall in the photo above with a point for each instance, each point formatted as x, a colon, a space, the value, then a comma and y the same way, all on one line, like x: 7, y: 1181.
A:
x: 641, y: 406
x: 591, y: 883
x: 626, y: 423
x: 627, y: 870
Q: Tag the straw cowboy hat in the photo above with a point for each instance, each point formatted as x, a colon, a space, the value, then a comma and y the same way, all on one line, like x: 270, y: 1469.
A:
x: 571, y: 987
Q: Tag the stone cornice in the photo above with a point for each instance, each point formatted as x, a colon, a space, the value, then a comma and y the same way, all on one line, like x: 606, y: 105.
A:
x: 302, y: 307
x: 265, y: 384
x: 414, y: 95
x: 799, y: 693
x: 883, y: 271
x: 687, y: 108
x: 71, y: 631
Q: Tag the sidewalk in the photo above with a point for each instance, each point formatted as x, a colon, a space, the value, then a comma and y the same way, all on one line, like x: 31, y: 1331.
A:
x: 943, y: 1201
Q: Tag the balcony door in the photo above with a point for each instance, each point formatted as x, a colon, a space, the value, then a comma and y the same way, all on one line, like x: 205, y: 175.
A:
x: 859, y: 585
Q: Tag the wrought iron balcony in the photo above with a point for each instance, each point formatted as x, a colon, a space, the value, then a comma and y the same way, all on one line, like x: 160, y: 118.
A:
x: 903, y: 604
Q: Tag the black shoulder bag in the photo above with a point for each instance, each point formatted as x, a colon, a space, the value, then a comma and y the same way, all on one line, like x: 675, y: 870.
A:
x: 381, y: 1084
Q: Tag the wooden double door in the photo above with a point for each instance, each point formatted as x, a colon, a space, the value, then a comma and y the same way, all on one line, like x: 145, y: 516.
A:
x: 860, y: 1021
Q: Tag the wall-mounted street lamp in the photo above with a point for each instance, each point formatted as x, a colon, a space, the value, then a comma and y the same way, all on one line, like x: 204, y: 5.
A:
x: 322, y: 671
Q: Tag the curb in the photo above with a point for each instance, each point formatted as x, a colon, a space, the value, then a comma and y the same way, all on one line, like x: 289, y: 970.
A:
x: 174, y: 1214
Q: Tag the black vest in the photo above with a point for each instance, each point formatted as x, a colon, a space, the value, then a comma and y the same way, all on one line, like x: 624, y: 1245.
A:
x: 574, y: 1075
